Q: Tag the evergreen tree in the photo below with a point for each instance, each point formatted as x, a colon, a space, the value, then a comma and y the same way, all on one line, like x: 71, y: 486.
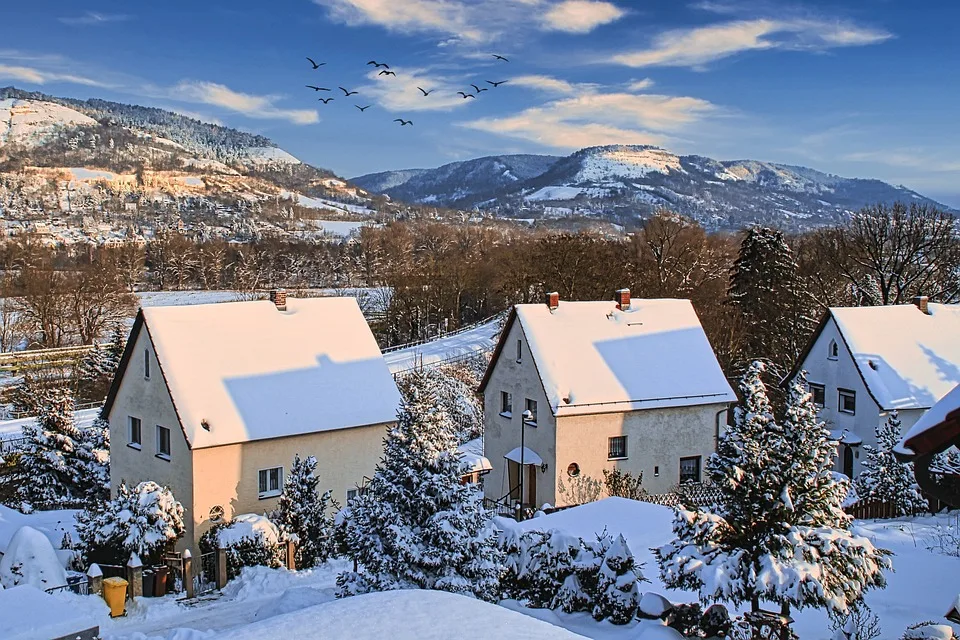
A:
x: 415, y: 525
x: 116, y: 346
x: 47, y: 468
x: 302, y: 513
x: 617, y: 595
x: 92, y: 462
x: 778, y: 533
x: 766, y: 288
x: 886, y: 479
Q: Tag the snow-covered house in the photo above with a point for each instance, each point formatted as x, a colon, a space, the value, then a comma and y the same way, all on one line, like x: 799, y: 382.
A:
x: 215, y: 400
x: 629, y: 384
x: 864, y: 362
x: 935, y: 432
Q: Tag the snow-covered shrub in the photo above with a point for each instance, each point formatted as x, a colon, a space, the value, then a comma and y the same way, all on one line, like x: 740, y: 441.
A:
x: 624, y: 484
x: 250, y: 540
x: 617, y: 595
x: 551, y: 558
x: 415, y: 525
x: 142, y: 520
x: 859, y: 623
x: 778, y: 532
x: 31, y: 559
x: 929, y: 630
x: 302, y: 514
x: 886, y: 479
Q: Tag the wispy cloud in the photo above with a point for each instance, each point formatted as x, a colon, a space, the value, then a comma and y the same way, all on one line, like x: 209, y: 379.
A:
x: 581, y: 16
x: 92, y: 19
x: 401, y: 93
x: 905, y: 158
x: 33, y: 75
x: 640, y: 85
x: 699, y: 46
x: 544, y: 83
x: 252, y: 106
x: 600, y: 118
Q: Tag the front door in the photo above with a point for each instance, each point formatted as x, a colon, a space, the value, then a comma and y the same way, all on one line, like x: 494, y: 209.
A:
x: 848, y: 461
x: 530, y: 486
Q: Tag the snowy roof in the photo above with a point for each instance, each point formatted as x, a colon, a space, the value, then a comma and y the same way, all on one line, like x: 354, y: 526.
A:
x: 907, y: 359
x: 472, y: 456
x: 529, y: 456
x: 931, y: 420
x: 246, y: 371
x: 594, y: 358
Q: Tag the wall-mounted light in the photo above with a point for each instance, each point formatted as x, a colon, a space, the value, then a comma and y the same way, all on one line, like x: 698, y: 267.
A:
x: 543, y: 467
x: 656, y: 472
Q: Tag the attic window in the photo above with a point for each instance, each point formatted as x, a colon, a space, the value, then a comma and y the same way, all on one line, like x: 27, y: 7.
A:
x: 146, y: 364
x: 834, y: 351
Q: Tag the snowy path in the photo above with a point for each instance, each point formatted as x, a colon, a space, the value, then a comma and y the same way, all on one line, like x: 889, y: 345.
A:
x: 14, y: 428
x: 482, y: 338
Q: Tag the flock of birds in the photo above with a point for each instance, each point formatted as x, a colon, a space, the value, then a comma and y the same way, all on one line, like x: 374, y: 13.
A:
x: 385, y: 71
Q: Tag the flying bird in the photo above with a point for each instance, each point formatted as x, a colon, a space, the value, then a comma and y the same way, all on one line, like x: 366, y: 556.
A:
x: 498, y: 57
x: 379, y: 64
x: 362, y: 108
x: 346, y: 93
x: 403, y: 122
x: 324, y: 100
x: 496, y: 84
x: 478, y: 89
x: 386, y: 73
x: 310, y: 86
x: 425, y: 92
x: 466, y: 95
x: 316, y: 65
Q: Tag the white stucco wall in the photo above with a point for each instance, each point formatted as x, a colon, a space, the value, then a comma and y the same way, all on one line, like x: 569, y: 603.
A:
x: 149, y: 400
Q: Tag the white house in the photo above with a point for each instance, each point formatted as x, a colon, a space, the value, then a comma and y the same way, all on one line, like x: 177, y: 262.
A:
x: 630, y: 384
x: 215, y: 400
x: 864, y: 362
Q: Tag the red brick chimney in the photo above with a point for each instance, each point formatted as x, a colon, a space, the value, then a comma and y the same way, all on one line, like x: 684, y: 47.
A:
x: 921, y: 303
x: 553, y: 300
x: 279, y: 298
x: 623, y: 299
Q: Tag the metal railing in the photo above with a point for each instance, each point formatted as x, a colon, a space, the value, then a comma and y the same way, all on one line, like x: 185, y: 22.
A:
x: 469, y: 327
x: 454, y: 359
x: 206, y: 579
x: 81, y: 586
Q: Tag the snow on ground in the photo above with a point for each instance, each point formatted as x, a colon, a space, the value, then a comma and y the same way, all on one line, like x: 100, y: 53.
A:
x: 479, y: 339
x: 554, y: 193
x: 29, y: 613
x: 52, y: 524
x: 14, y: 428
x: 79, y: 173
x: 604, y: 163
x: 179, y: 298
x: 30, y: 122
x: 267, y: 155
x: 31, y: 559
x: 340, y: 228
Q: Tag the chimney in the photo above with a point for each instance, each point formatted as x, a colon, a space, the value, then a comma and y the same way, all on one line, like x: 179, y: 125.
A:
x: 623, y: 299
x: 921, y: 303
x: 553, y: 300
x: 279, y: 298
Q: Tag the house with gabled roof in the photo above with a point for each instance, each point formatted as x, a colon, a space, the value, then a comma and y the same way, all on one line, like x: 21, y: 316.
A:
x: 214, y: 401
x: 862, y: 363
x: 575, y: 388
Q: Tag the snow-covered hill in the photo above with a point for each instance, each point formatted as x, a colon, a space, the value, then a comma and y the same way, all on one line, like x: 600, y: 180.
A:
x: 31, y: 123
x: 626, y: 182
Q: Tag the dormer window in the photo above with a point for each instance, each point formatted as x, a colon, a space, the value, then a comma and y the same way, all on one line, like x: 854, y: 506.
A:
x: 834, y: 350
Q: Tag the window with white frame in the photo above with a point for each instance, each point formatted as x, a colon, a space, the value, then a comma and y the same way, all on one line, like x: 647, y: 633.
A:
x: 163, y: 442
x: 351, y: 494
x: 506, y: 403
x: 617, y: 448
x: 819, y: 393
x: 269, y: 482
x: 531, y: 406
x: 134, y: 432
x: 690, y: 469
x: 146, y: 363
x: 848, y: 401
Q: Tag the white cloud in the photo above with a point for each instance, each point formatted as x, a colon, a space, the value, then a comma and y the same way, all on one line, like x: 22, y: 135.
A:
x: 906, y: 158
x: 400, y: 93
x: 581, y: 16
x: 544, y: 83
x: 91, y: 18
x: 252, y: 106
x: 640, y: 85
x: 600, y: 118
x: 39, y: 76
x: 698, y: 46
x: 446, y: 16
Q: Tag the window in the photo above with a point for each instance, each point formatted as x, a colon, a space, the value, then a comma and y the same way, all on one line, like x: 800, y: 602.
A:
x: 848, y: 401
x: 690, y: 469
x: 506, y: 404
x: 573, y: 470
x: 617, y: 447
x: 270, y: 482
x: 531, y: 406
x: 819, y: 393
x: 834, y: 351
x: 135, y: 432
x: 351, y: 494
x: 163, y: 442
x: 519, y: 350
x: 146, y: 364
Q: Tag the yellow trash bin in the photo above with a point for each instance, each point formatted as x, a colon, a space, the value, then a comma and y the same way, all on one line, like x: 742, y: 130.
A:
x: 115, y: 593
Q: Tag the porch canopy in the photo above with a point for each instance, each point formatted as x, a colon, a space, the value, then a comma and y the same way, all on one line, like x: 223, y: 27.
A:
x: 529, y: 456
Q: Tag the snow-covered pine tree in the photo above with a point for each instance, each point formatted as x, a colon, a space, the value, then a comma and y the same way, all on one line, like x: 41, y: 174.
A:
x: 415, y: 525
x: 778, y: 532
x: 550, y: 558
x: 47, y: 472
x: 454, y: 395
x: 765, y: 287
x: 91, y: 465
x: 886, y: 479
x: 302, y: 513
x: 617, y: 594
x: 118, y: 342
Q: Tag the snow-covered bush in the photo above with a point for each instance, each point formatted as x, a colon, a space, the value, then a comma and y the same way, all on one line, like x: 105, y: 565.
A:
x: 886, y: 479
x: 617, y: 595
x: 250, y: 540
x: 778, y: 532
x: 929, y: 630
x: 302, y: 513
x: 142, y: 520
x: 415, y: 525
x: 31, y: 559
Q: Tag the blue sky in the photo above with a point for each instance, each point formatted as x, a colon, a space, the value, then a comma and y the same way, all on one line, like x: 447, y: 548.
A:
x: 865, y: 88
